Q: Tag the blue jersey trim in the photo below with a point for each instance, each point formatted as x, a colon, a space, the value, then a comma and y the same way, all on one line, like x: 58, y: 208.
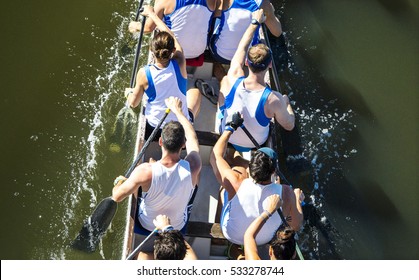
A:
x: 260, y: 110
x: 181, y: 81
x: 183, y: 3
x: 230, y: 96
x: 241, y: 149
x: 226, y: 207
x: 151, y: 90
x: 249, y: 5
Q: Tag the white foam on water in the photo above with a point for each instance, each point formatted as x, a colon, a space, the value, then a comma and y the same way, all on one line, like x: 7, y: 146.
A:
x: 83, y: 160
x: 324, y: 130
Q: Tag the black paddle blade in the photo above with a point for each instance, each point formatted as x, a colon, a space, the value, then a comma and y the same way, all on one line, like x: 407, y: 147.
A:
x: 95, y: 226
x: 125, y: 124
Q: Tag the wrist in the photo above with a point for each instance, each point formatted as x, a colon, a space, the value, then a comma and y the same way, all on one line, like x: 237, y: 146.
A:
x: 229, y: 128
x: 167, y: 228
x: 255, y: 22
x: 266, y: 214
x: 118, y: 180
x: 128, y: 92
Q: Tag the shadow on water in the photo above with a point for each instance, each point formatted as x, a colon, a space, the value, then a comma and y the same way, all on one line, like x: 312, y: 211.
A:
x: 400, y: 8
x: 344, y: 218
x: 299, y: 170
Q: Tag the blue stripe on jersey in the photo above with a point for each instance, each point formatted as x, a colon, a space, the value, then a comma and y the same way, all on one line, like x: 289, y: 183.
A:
x: 230, y: 96
x: 183, y: 3
x: 181, y: 81
x: 249, y: 5
x: 262, y: 119
x: 167, y: 21
x: 151, y: 90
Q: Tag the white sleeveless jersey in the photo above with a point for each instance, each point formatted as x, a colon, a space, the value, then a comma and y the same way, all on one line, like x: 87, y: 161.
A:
x: 249, y: 203
x: 234, y: 23
x: 163, y: 83
x: 169, y: 194
x: 251, y: 104
x: 190, y: 23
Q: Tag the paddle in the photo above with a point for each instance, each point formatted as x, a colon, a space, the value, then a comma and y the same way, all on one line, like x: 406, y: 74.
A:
x: 127, y: 115
x: 291, y: 140
x: 130, y: 256
x: 97, y: 224
x: 279, y: 173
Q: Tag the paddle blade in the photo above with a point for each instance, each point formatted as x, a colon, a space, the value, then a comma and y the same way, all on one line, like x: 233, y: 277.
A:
x: 124, y: 127
x: 95, y: 226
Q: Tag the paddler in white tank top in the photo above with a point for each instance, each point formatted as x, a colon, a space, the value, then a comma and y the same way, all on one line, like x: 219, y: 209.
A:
x: 245, y: 196
x: 166, y: 77
x: 189, y: 20
x: 250, y: 95
x: 167, y: 184
x: 234, y: 18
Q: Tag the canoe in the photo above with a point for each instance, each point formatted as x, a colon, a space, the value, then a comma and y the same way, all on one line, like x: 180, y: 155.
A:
x: 203, y: 229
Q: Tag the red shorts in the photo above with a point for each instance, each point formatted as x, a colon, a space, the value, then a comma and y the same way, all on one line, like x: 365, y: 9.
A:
x: 197, y: 61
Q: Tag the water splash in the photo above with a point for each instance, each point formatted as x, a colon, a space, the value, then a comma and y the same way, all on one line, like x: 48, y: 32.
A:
x: 325, y: 128
x: 92, y: 116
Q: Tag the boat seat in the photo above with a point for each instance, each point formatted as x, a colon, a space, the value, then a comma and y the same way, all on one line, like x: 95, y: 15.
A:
x: 207, y: 138
x: 204, y: 230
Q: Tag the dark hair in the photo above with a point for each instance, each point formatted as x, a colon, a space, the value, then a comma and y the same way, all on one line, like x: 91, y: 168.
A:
x: 170, y: 246
x: 261, y: 167
x: 162, y: 45
x: 173, y: 136
x: 283, y: 244
x: 258, y: 57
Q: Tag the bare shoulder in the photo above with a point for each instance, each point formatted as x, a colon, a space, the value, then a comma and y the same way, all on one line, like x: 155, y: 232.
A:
x: 266, y: 5
x: 142, y: 78
x: 164, y: 6
x: 274, y: 102
x: 142, y: 172
x: 275, y: 96
x: 141, y: 74
x: 287, y: 196
x: 195, y: 161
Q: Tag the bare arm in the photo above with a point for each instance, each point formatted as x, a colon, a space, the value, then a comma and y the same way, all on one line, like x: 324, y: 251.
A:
x: 237, y: 62
x: 134, y: 95
x: 192, y: 145
x: 279, y: 107
x: 272, y: 22
x: 159, y: 9
x: 229, y: 179
x: 141, y: 176
x: 292, y: 206
x: 250, y: 247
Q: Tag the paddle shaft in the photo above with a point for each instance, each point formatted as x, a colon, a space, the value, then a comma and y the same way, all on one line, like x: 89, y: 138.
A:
x: 146, y: 144
x: 137, y: 15
x: 274, y: 70
x: 133, y: 253
x: 138, y: 50
x: 278, y: 88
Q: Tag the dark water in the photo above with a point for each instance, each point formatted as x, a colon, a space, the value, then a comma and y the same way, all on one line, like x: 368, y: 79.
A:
x: 353, y: 77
